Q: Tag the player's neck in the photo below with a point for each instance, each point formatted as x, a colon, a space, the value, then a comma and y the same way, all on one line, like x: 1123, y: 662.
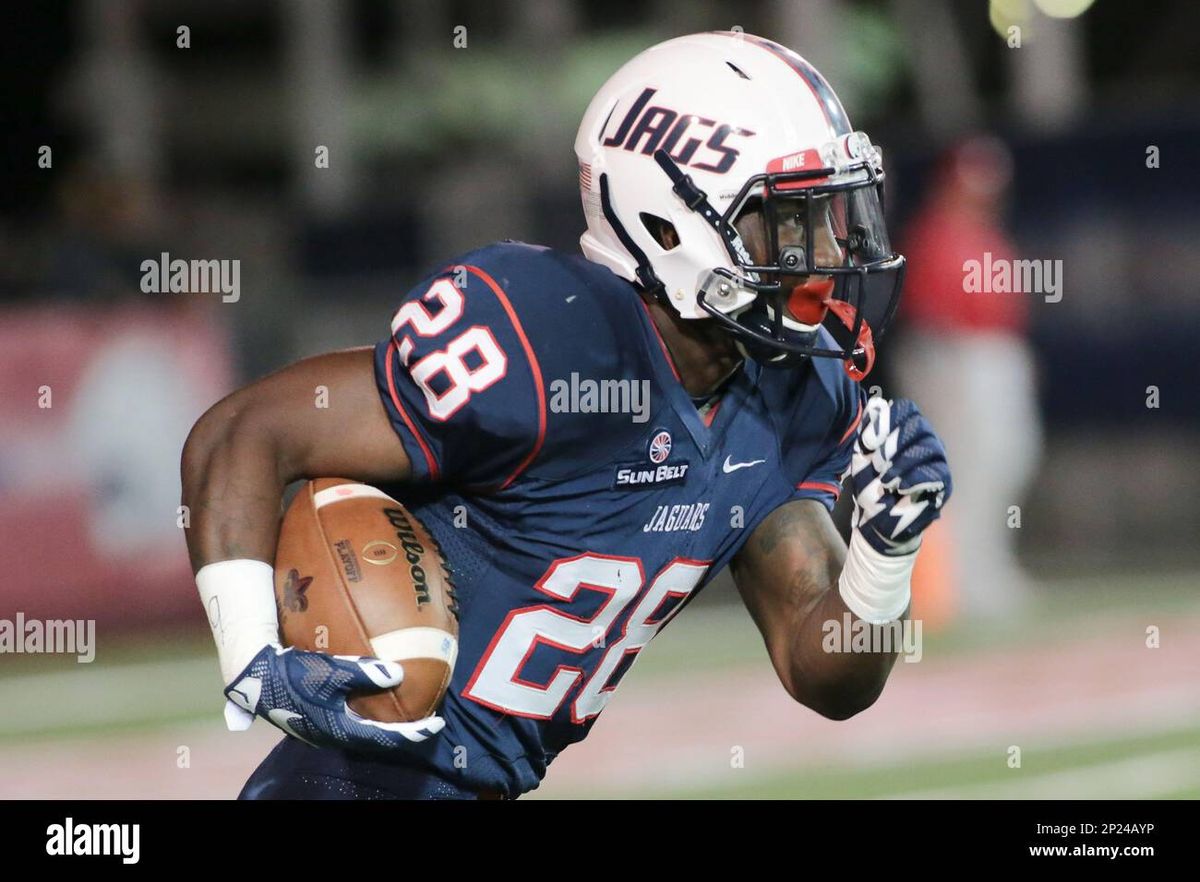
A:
x: 704, y: 355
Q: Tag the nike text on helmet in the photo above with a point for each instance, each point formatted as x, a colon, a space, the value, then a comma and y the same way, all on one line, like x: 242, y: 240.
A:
x: 719, y: 171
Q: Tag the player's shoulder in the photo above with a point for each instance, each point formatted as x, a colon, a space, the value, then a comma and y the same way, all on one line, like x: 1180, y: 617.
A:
x: 572, y: 315
x: 484, y: 348
x: 542, y: 283
x: 523, y: 261
x: 560, y: 311
x: 588, y: 331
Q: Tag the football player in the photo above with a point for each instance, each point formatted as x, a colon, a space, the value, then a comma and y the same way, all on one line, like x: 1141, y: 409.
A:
x: 736, y: 262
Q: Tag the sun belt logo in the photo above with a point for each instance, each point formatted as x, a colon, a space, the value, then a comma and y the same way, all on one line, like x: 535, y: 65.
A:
x: 649, y: 128
x: 660, y: 446
x: 638, y: 476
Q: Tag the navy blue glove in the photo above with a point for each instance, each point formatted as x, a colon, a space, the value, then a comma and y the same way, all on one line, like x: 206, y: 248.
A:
x: 899, y: 476
x: 304, y: 694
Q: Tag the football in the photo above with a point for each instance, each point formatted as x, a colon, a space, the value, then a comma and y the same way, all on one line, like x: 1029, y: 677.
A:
x: 357, y: 574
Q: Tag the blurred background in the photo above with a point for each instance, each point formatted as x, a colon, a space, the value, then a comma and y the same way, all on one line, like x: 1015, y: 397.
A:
x: 1059, y: 596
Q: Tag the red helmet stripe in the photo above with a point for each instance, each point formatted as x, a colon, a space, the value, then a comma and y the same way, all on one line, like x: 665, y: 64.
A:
x: 835, y: 114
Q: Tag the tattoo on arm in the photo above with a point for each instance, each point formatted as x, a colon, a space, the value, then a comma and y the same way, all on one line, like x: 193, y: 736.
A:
x: 797, y: 548
x: 787, y: 575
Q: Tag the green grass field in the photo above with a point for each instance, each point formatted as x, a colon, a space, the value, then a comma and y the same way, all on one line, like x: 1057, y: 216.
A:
x: 149, y: 691
x: 1120, y: 768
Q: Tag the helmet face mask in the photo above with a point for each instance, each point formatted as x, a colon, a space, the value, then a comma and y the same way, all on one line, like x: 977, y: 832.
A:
x: 793, y: 229
x: 816, y: 248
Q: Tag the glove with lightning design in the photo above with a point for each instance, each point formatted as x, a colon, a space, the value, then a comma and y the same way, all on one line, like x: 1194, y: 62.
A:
x: 305, y: 693
x: 899, y: 475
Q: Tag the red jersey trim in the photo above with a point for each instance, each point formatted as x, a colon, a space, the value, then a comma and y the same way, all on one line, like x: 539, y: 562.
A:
x: 434, y: 471
x: 820, y: 485
x: 853, y: 425
x: 534, y: 366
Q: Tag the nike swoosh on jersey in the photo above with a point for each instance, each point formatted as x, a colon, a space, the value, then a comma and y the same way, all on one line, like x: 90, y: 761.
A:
x: 728, y: 466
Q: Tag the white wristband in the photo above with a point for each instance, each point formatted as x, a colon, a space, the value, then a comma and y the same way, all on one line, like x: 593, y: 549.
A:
x: 239, y: 597
x: 876, y: 587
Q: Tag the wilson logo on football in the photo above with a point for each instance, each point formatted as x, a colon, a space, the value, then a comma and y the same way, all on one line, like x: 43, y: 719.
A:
x: 650, y: 128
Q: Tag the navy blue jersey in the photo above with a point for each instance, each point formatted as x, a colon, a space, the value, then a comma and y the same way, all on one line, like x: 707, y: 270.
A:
x: 579, y: 496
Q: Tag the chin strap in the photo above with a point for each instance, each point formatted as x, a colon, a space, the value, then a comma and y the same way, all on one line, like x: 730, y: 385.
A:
x: 697, y: 200
x: 863, y: 359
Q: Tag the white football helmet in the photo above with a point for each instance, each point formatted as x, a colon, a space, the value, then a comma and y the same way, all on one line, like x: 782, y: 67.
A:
x: 720, y: 173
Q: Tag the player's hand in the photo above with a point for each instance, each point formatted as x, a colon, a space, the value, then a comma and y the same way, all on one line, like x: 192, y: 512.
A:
x: 899, y: 476
x: 305, y: 693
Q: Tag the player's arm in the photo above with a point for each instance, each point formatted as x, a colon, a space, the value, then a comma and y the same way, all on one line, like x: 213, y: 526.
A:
x: 798, y: 578
x: 250, y: 445
x: 787, y: 575
x: 318, y: 417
